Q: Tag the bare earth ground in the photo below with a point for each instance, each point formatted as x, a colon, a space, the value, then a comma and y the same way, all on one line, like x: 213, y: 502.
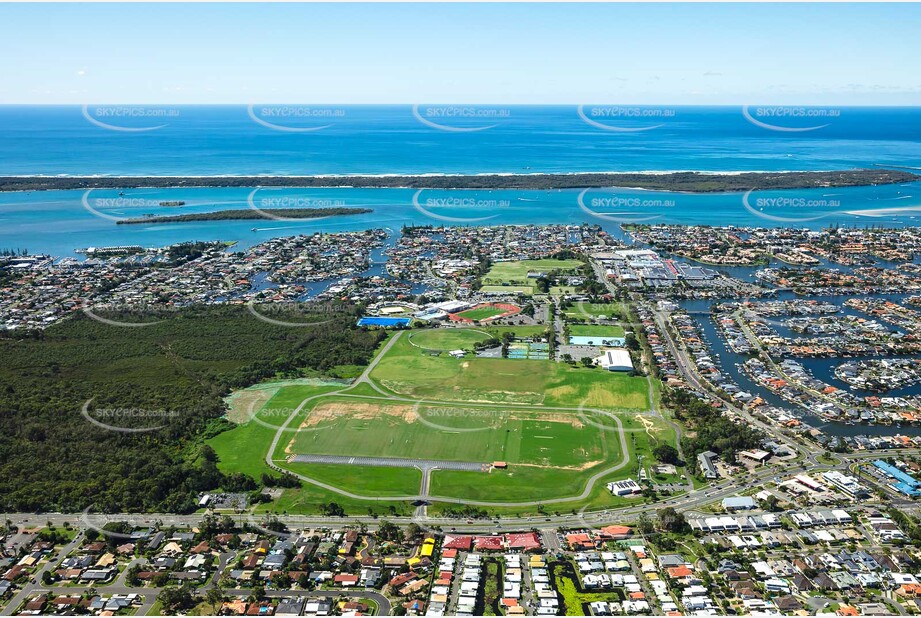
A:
x: 242, y: 404
x: 409, y: 414
x: 358, y: 411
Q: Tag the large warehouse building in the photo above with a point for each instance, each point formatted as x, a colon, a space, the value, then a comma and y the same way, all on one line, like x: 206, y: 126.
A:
x: 615, y: 359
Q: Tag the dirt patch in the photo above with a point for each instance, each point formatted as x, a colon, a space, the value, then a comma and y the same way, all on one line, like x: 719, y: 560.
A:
x: 244, y: 404
x: 648, y: 425
x: 358, y: 411
x: 550, y: 417
x: 585, y: 466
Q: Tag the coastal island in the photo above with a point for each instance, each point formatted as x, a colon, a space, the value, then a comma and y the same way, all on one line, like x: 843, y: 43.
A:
x: 691, y: 182
x: 245, y: 214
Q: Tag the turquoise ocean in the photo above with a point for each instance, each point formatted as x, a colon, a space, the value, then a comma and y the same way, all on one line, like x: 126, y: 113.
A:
x: 97, y: 140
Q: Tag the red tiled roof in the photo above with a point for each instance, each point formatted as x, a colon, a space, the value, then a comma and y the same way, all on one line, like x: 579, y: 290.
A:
x: 525, y: 540
x: 488, y: 542
x: 457, y: 542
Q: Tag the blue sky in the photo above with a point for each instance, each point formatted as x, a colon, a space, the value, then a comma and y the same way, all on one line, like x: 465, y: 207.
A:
x: 843, y: 54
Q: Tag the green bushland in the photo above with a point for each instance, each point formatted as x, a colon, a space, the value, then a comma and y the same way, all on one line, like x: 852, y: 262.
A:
x: 179, y: 369
x: 565, y: 580
x: 492, y: 586
x: 674, y: 181
x: 247, y: 214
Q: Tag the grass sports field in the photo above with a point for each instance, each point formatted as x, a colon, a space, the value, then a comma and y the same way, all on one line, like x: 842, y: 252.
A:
x: 243, y: 450
x: 521, y: 332
x: 445, y: 339
x: 513, y: 276
x: 584, y: 311
x: 410, y: 371
x: 518, y: 270
x: 509, y: 289
x: 475, y: 410
x: 595, y: 330
x: 344, y: 426
x: 481, y: 313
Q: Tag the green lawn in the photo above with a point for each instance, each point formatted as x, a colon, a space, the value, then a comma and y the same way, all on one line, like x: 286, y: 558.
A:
x: 444, y: 339
x: 364, y: 480
x: 551, y: 453
x: 243, y: 450
x: 518, y: 483
x: 480, y: 435
x: 524, y: 483
x: 572, y: 598
x: 510, y: 289
x: 517, y: 271
x: 410, y: 371
x: 591, y: 330
x: 583, y: 310
x: 407, y: 370
x: 481, y: 313
x: 519, y: 331
x: 527, y: 444
x: 596, y: 388
x: 308, y: 499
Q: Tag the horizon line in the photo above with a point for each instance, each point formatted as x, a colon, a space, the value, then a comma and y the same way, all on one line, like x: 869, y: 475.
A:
x: 446, y: 103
